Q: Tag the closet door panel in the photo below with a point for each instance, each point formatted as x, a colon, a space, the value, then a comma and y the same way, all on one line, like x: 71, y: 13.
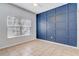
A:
x: 38, y: 25
x: 51, y: 25
x: 61, y: 28
x: 41, y: 26
x: 72, y: 7
x: 61, y: 10
x: 73, y: 28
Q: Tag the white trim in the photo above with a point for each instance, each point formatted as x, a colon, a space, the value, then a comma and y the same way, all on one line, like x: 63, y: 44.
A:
x: 78, y: 25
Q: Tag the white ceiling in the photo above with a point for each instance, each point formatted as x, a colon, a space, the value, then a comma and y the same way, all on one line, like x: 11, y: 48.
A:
x: 40, y: 8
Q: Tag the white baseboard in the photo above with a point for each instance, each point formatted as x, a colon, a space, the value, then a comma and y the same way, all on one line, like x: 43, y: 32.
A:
x: 58, y: 44
x: 11, y: 45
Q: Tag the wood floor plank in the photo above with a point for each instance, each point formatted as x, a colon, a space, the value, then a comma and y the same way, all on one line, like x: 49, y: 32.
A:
x: 39, y: 48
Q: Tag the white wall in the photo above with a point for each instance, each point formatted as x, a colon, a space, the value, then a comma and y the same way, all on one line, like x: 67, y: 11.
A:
x: 10, y: 10
x: 78, y: 25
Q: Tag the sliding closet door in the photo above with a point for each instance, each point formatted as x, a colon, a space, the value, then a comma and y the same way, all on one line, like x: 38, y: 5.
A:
x: 72, y: 24
x: 61, y: 25
x: 41, y: 26
x: 51, y: 25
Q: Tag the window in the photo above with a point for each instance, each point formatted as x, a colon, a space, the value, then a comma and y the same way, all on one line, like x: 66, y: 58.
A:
x: 17, y: 26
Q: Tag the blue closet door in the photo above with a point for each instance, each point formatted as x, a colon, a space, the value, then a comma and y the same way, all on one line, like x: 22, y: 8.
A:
x: 72, y: 7
x: 51, y: 25
x: 73, y: 24
x: 61, y: 29
x: 73, y: 29
x: 61, y: 25
x: 38, y: 16
x: 72, y: 13
x: 61, y: 10
x: 41, y: 26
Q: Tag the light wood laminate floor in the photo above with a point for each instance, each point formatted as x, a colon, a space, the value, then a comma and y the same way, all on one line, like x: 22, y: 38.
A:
x: 39, y: 48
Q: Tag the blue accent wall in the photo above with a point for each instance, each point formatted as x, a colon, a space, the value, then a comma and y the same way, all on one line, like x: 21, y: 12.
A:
x: 59, y: 25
